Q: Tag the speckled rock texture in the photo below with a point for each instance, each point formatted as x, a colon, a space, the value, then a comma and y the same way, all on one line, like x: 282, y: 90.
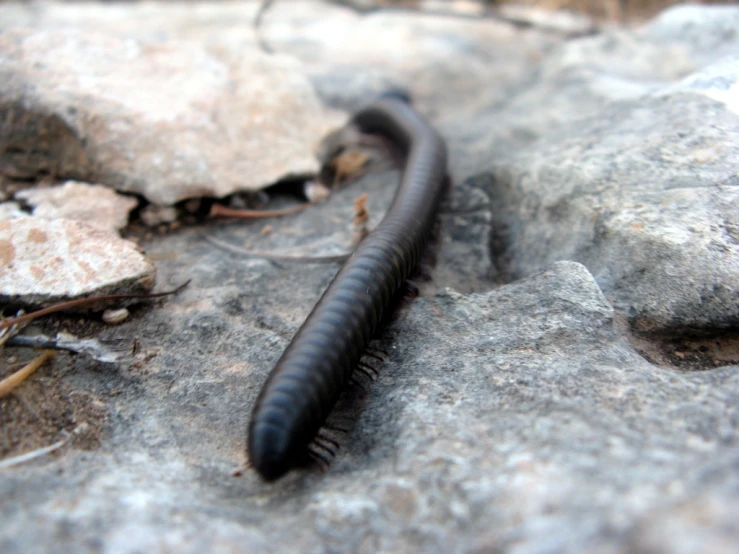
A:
x: 94, y: 204
x: 173, y: 121
x: 624, y: 162
x: 646, y: 196
x: 568, y: 380
x: 46, y: 261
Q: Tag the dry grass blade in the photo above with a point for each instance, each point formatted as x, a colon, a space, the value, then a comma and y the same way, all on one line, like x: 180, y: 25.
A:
x: 28, y: 456
x: 8, y: 333
x: 82, y: 302
x: 8, y: 384
x: 361, y: 219
x: 222, y: 211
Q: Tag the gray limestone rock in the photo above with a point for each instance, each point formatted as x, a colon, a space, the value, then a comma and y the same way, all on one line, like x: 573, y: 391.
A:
x: 645, y: 195
x: 707, y: 32
x: 577, y: 79
x: 517, y: 419
x: 166, y: 120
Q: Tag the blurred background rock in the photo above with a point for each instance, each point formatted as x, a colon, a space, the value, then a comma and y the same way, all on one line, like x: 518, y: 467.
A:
x: 605, y: 9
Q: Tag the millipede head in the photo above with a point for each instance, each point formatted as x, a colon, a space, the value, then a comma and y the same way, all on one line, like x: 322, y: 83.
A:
x: 270, y: 452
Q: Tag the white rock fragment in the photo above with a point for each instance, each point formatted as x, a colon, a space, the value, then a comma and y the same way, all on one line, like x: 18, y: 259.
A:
x: 194, y: 123
x: 44, y: 261
x: 10, y: 210
x: 95, y: 204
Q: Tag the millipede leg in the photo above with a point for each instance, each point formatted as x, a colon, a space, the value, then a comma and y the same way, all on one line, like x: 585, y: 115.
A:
x: 326, y: 439
x: 356, y: 383
x: 323, y: 447
x: 320, y: 459
x: 335, y: 428
x: 368, y: 370
x: 376, y: 353
x: 410, y: 290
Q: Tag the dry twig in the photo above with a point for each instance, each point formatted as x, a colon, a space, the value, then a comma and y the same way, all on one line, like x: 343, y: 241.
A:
x: 28, y: 456
x: 8, y: 384
x: 222, y: 211
x: 361, y: 219
x: 83, y: 302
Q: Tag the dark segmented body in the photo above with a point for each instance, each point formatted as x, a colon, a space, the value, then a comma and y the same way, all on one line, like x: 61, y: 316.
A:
x: 308, y: 379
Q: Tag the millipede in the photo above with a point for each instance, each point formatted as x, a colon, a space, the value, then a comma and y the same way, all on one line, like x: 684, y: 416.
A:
x: 305, y: 384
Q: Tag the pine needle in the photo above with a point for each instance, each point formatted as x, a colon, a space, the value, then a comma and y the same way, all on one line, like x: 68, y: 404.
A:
x: 9, y: 322
x: 8, y: 384
x: 28, y: 456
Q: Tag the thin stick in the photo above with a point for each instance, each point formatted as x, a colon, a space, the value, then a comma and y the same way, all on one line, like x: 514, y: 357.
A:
x: 10, y: 332
x: 4, y: 324
x: 9, y: 383
x: 222, y: 211
x: 28, y: 456
x: 339, y: 258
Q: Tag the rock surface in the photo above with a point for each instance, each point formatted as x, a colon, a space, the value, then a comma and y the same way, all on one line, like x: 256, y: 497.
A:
x: 627, y: 164
x: 516, y: 419
x: 646, y: 196
x: 94, y: 204
x: 194, y: 124
x: 11, y: 210
x: 594, y: 196
x: 47, y: 261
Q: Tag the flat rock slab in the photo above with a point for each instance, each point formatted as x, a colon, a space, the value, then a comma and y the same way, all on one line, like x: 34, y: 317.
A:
x: 519, y: 415
x: 95, y: 204
x: 47, y: 261
x: 645, y: 194
x: 194, y: 124
x: 337, y: 47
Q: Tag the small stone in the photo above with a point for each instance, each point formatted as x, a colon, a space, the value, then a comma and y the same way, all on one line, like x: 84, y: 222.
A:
x: 315, y: 192
x: 115, y: 316
x: 153, y: 215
